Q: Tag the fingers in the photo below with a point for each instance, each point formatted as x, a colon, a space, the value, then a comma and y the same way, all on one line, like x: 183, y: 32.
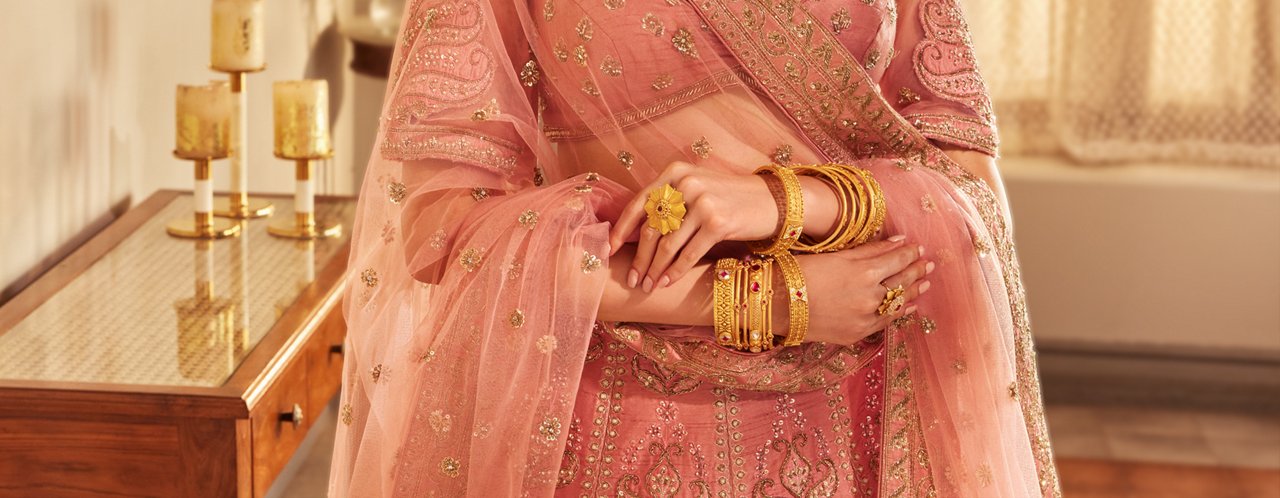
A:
x: 894, y: 261
x: 694, y: 250
x: 912, y: 292
x: 644, y: 254
x: 668, y: 247
x: 911, y: 274
x: 873, y: 249
x: 630, y: 219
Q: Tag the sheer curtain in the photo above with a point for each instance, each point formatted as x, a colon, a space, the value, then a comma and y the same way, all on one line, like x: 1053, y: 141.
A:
x: 1103, y: 81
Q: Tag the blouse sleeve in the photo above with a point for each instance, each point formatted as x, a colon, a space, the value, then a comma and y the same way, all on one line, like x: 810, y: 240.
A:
x: 934, y: 81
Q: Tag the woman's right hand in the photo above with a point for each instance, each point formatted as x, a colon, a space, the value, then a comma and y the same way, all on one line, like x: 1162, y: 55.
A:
x: 847, y: 287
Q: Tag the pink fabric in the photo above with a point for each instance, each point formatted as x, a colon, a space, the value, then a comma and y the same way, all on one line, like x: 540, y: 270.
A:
x: 475, y: 364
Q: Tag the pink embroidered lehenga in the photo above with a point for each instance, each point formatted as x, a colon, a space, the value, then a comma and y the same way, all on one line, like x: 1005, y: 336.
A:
x: 512, y: 133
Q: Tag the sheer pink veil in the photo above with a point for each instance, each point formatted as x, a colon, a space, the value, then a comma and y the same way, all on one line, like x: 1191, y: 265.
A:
x: 479, y: 250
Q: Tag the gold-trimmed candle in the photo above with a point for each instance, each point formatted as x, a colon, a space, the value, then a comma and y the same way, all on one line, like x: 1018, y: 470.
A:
x: 302, y: 119
x: 237, y: 35
x: 203, y: 121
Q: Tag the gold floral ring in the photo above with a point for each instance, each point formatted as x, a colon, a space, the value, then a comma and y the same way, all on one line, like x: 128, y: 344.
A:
x: 665, y: 208
x: 894, y: 299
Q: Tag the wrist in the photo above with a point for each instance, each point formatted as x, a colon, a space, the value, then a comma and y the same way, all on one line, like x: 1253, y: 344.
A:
x: 821, y: 200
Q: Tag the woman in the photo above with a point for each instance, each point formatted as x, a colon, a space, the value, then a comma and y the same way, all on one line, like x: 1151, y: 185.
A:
x: 521, y: 324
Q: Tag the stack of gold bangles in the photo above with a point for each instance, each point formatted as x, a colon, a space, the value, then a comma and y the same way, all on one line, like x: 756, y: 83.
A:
x: 743, y: 288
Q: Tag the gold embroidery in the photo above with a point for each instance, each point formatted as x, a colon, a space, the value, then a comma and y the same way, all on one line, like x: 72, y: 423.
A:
x: 626, y: 158
x: 547, y: 343
x: 590, y: 262
x: 450, y: 467
x: 470, y: 259
x: 548, y: 10
x: 782, y: 154
x: 906, y: 96
x: 584, y: 29
x: 559, y: 51
x: 841, y: 20
x: 611, y: 66
x: 1013, y: 390
x: 662, y: 81
x: 985, y: 477
x: 513, y: 270
x: 440, y: 421
x: 589, y: 88
x: 702, y: 148
x: 479, y: 193
x: 388, y: 232
x: 661, y: 105
x: 347, y: 415
x: 928, y: 325
x: 580, y: 55
x: 466, y: 147
x: 516, y: 319
x: 614, y: 4
x: 427, y: 356
x: 592, y: 176
x: 550, y: 429
x: 396, y: 192
x: 927, y: 204
x: 529, y: 74
x: 370, y: 277
x: 438, y: 239
x: 528, y: 219
x: 873, y: 57
x: 376, y: 372
x: 960, y: 366
x: 652, y: 24
x: 683, y: 41
x: 489, y: 111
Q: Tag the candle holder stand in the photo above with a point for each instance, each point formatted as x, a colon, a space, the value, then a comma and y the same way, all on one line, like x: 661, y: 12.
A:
x: 202, y: 225
x: 304, y: 225
x: 237, y: 204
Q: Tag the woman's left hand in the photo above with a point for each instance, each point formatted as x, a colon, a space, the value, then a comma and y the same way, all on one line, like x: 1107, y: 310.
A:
x: 719, y: 206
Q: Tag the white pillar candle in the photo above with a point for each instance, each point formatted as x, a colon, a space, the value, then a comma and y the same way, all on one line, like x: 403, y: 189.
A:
x: 204, y: 196
x: 237, y: 35
x: 304, y: 199
x: 301, y: 119
x: 203, y: 117
x: 239, y: 137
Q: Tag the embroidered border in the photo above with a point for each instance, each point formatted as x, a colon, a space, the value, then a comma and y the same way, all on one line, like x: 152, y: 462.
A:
x: 957, y: 130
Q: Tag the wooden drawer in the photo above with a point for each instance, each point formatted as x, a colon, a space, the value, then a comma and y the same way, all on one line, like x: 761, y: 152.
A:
x: 276, y: 439
x: 325, y: 355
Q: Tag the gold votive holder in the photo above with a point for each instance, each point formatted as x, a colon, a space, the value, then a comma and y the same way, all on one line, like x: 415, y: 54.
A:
x: 237, y: 204
x: 304, y: 224
x: 202, y: 225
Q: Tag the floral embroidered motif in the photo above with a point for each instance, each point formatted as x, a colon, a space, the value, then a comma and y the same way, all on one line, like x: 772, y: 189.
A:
x: 517, y: 319
x: 546, y: 344
x: 873, y: 57
x: 928, y: 325
x: 614, y: 4
x: 513, y: 270
x: 580, y: 55
x: 529, y: 74
x: 528, y: 219
x: 590, y: 262
x: 470, y: 259
x: 652, y: 24
x: 927, y: 205
x: 370, y: 277
x: 626, y: 159
x: 489, y: 111
x: 550, y: 429
x: 589, y: 88
x: 985, y: 477
x: 388, y: 232
x: 1013, y: 390
x: 347, y: 415
x: 907, y: 96
x: 548, y: 10
x: 585, y: 29
x: 450, y: 467
x: 701, y: 148
x: 662, y: 81
x: 440, y: 421
x: 479, y: 193
x: 560, y: 53
x: 683, y: 41
x: 782, y: 154
x: 376, y: 373
x: 944, y: 60
x: 396, y: 192
x: 841, y: 20
x: 611, y: 66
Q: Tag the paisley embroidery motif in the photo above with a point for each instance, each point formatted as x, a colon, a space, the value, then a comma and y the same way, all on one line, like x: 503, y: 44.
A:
x: 944, y: 60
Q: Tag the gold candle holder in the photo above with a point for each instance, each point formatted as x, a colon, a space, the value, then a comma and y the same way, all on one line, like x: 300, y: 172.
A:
x: 237, y: 204
x: 202, y: 122
x: 301, y: 111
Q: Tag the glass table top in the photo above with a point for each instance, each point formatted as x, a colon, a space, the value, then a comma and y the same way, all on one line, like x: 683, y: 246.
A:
x: 158, y: 310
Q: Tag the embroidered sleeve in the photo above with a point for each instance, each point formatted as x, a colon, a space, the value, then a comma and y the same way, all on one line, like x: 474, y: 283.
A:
x: 934, y: 80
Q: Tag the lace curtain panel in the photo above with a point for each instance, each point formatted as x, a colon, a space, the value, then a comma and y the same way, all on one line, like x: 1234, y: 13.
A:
x: 1105, y: 81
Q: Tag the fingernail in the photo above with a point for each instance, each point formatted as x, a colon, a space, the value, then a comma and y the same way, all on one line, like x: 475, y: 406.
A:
x: 924, y: 286
x: 929, y: 268
x: 632, y: 278
x: 897, y: 238
x: 921, y: 250
x: 648, y: 284
x: 664, y: 282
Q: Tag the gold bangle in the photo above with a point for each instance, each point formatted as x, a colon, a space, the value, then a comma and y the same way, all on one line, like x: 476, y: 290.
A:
x: 847, y: 197
x: 759, y: 305
x: 877, y: 208
x: 797, y: 296
x: 793, y: 217
x: 724, y: 306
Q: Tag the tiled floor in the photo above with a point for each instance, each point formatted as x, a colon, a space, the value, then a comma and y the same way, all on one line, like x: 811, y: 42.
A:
x: 1103, y: 452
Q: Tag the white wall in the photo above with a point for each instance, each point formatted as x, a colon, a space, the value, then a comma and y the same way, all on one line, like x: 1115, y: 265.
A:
x: 1149, y: 257
x: 86, y: 119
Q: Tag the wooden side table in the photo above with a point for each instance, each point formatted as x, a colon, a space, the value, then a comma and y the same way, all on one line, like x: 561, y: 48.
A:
x: 131, y: 369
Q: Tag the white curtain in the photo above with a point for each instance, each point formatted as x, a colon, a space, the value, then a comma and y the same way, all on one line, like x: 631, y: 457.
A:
x: 1103, y: 81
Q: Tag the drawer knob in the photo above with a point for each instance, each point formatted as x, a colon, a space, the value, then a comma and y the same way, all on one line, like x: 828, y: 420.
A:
x: 335, y: 349
x: 294, y: 416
